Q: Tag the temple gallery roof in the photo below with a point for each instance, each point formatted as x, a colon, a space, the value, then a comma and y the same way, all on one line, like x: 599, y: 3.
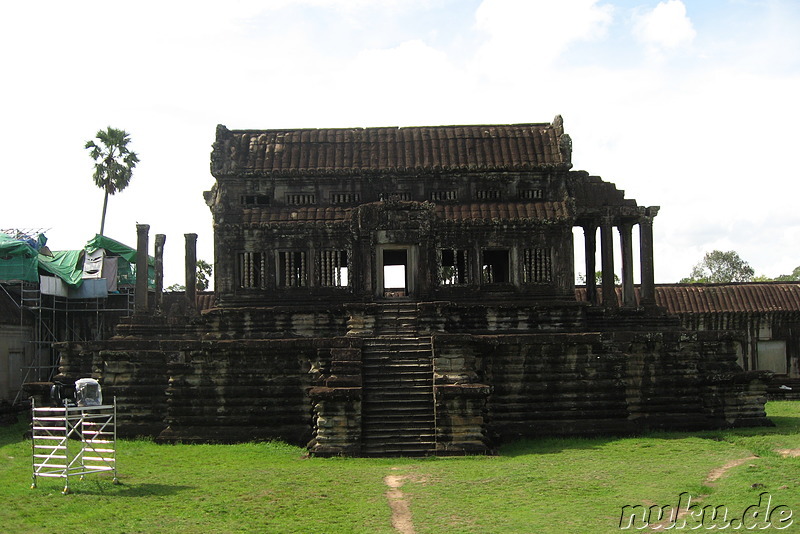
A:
x: 476, y: 211
x: 355, y: 150
x: 759, y: 297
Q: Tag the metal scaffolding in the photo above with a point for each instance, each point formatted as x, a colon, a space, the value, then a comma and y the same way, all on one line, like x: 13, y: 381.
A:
x: 56, y: 319
x: 73, y: 441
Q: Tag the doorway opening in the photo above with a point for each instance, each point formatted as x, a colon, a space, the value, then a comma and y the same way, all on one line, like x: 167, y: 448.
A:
x: 395, y: 273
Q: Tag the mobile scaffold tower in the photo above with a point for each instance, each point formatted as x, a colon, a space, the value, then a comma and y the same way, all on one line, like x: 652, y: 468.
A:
x: 72, y: 441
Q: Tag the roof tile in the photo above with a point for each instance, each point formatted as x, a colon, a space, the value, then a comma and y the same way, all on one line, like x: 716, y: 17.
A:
x: 381, y: 149
x: 755, y: 297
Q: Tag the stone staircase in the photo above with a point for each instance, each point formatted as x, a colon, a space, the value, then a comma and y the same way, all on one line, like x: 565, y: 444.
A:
x: 398, y: 417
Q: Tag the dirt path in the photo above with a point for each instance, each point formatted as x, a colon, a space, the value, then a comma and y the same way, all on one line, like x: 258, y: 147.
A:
x: 710, y: 480
x: 719, y: 472
x: 401, y: 511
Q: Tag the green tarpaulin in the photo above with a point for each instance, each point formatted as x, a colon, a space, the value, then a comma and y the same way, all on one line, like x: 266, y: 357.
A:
x: 65, y: 264
x: 127, y: 269
x: 14, y: 247
x: 18, y: 260
x: 115, y: 248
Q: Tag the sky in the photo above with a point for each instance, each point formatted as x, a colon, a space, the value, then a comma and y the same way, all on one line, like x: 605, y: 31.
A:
x: 689, y: 105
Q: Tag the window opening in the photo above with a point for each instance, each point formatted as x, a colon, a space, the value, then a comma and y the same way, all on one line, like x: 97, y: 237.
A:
x: 255, y: 200
x: 300, y: 199
x: 438, y: 196
x: 396, y: 195
x: 345, y: 198
x: 537, y: 266
x: 529, y: 194
x: 333, y: 268
x: 488, y: 194
x: 495, y: 266
x: 291, y: 269
x: 251, y: 269
x: 454, y: 269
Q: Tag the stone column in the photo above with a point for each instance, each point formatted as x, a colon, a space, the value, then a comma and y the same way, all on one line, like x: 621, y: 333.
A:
x: 647, y: 295
x: 625, y: 239
x: 590, y: 251
x: 140, y: 298
x: 607, y: 261
x: 159, y: 267
x: 191, y: 273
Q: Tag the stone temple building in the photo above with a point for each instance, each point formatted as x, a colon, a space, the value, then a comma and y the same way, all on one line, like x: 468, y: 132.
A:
x: 411, y: 291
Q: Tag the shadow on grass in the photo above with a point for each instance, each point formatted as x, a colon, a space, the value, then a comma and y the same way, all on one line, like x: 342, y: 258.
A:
x: 14, y: 433
x: 124, y: 490
x: 553, y: 445
x: 785, y: 425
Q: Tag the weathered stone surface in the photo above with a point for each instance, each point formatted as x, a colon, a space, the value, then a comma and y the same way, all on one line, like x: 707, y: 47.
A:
x: 477, y: 337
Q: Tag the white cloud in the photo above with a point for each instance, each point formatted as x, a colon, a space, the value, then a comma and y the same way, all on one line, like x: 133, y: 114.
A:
x: 411, y: 75
x: 665, y: 27
x: 710, y: 145
x: 528, y: 34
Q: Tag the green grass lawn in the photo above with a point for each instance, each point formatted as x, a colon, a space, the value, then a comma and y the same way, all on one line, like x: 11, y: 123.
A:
x: 535, y: 486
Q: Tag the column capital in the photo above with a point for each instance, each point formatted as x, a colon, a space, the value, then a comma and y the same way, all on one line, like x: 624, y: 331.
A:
x: 648, y: 213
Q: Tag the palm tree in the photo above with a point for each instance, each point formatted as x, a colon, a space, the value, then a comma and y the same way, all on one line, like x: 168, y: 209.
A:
x: 114, y: 163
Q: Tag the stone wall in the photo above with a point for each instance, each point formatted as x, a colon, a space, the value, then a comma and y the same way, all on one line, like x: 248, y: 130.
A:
x: 488, y: 388
x: 614, y: 383
x: 179, y: 390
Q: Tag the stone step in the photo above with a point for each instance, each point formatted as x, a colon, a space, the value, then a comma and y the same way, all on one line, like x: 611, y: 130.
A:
x: 398, y: 366
x: 385, y: 357
x: 395, y: 349
x: 386, y: 418
x: 383, y: 381
x: 383, y: 378
x: 406, y: 422
x: 385, y: 407
x: 389, y: 338
x: 397, y: 342
x: 395, y: 440
x: 398, y: 357
x: 410, y: 317
x: 397, y: 405
x: 401, y: 360
x: 389, y: 398
x: 380, y: 378
x: 377, y: 428
x: 390, y: 448
x: 419, y: 383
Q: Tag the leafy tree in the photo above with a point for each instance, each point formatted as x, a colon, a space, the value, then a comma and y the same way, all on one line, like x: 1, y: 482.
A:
x: 114, y: 163
x: 203, y: 274
x: 598, y: 278
x: 794, y: 277
x: 720, y: 267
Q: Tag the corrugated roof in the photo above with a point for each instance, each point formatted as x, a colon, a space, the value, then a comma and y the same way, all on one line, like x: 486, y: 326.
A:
x: 755, y: 297
x: 310, y: 151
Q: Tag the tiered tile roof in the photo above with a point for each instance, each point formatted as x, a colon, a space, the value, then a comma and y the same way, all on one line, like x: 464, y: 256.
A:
x: 350, y: 150
x: 476, y: 211
x: 757, y: 297
x: 507, y: 211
